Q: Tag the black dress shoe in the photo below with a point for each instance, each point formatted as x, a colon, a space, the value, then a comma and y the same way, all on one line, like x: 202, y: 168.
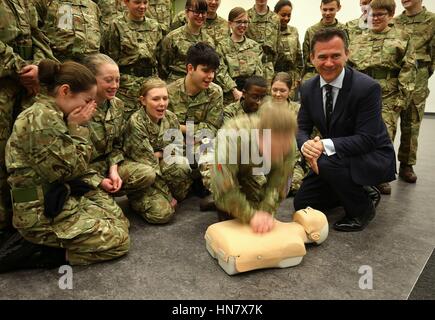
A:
x: 349, y: 224
x: 356, y: 223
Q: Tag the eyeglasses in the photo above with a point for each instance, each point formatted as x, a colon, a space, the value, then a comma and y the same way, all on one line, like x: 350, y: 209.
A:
x: 241, y: 22
x: 256, y: 98
x: 198, y: 13
x: 378, y: 15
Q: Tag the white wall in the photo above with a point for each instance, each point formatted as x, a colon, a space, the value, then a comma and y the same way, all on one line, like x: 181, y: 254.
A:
x: 307, y: 13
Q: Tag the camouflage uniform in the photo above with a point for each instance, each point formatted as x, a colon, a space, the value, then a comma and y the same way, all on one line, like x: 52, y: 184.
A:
x: 235, y: 187
x: 216, y: 28
x: 388, y: 57
x: 290, y: 57
x: 73, y: 27
x: 110, y: 9
x: 266, y: 30
x: 173, y: 51
x: 239, y: 61
x: 205, y: 109
x: 421, y: 29
x: 106, y: 133
x: 43, y: 150
x: 162, y: 11
x: 309, y: 70
x: 234, y: 109
x: 133, y: 45
x: 143, y: 138
x: 300, y: 168
x: 21, y: 43
x: 354, y: 29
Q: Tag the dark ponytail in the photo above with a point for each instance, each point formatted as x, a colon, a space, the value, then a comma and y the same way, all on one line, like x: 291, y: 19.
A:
x: 53, y: 74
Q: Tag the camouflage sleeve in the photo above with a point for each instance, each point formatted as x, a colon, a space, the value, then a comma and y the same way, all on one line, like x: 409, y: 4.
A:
x: 229, y: 112
x: 178, y: 20
x: 213, y: 120
x: 407, y: 73
x: 277, y: 183
x: 259, y: 68
x: 306, y: 49
x: 165, y: 55
x: 10, y: 62
x: 136, y: 143
x: 226, y: 191
x: 41, y: 8
x: 222, y: 76
x: 40, y: 41
x: 111, y: 42
x: 299, y: 58
x: 117, y: 154
x: 60, y: 156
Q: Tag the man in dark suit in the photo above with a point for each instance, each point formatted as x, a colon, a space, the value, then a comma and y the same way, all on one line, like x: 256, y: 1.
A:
x: 354, y: 150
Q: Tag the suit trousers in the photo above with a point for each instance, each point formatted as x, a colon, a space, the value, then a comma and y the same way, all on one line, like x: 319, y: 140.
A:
x: 333, y: 187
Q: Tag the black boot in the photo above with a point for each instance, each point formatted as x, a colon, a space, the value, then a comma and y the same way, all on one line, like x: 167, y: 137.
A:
x: 18, y: 253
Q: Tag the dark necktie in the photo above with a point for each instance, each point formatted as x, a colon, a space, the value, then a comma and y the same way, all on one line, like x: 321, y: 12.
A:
x: 328, y: 105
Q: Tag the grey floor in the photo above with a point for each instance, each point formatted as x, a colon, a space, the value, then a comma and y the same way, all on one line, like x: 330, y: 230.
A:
x: 171, y: 262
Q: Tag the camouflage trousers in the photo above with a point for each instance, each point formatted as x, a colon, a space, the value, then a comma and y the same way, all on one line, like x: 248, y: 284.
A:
x: 411, y: 118
x: 154, y: 203
x: 92, y: 228
x: 9, y: 93
x: 390, y: 115
x: 135, y: 176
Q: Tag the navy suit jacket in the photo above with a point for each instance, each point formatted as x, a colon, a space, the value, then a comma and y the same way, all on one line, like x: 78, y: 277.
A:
x: 357, y: 129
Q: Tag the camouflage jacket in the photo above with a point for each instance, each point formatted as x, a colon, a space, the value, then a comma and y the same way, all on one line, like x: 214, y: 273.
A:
x: 266, y: 31
x: 306, y: 47
x: 389, y: 52
x: 43, y: 148
x: 205, y: 109
x: 106, y: 130
x: 73, y: 27
x: 290, y: 54
x: 238, y: 59
x: 129, y: 42
x: 143, y: 137
x: 216, y: 28
x: 110, y: 9
x: 173, y: 51
x: 21, y: 42
x: 227, y: 183
x: 233, y: 110
x: 421, y: 29
x: 162, y: 11
x: 354, y: 29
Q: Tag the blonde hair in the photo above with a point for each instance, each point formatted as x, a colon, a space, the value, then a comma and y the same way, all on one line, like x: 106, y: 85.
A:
x: 150, y: 84
x: 277, y: 117
x: 95, y: 61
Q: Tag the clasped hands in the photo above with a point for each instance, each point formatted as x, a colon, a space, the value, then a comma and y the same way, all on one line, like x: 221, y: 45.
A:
x: 312, y: 150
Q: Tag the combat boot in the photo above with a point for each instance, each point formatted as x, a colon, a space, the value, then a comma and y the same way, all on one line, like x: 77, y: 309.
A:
x: 384, y: 188
x: 406, y: 172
